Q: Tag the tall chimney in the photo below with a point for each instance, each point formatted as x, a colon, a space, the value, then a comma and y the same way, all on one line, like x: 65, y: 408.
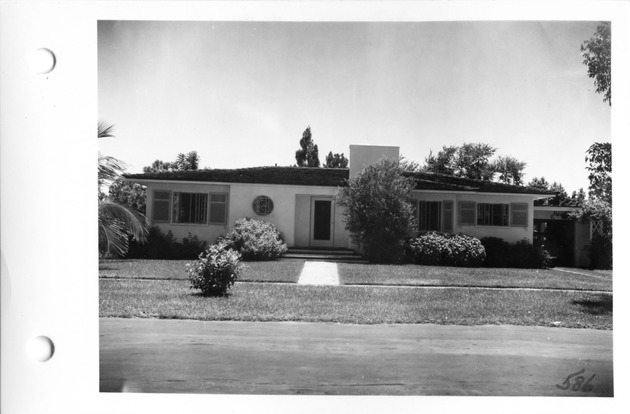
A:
x: 363, y: 155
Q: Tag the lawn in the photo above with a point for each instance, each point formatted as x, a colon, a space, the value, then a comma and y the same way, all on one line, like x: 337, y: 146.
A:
x: 350, y: 274
x: 372, y: 294
x: 272, y: 271
x: 355, y: 304
x: 414, y: 275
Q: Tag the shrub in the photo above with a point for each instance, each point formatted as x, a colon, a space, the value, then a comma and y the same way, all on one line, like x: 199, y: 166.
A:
x: 600, y: 251
x: 166, y: 247
x: 215, y: 271
x: 255, y: 240
x: 378, y: 212
x: 445, y: 249
x: 521, y: 254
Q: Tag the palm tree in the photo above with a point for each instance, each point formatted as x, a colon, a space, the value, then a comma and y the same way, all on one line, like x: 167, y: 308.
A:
x: 115, y: 221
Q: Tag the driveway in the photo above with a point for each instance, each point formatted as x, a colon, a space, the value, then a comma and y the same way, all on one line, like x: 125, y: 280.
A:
x: 184, y: 356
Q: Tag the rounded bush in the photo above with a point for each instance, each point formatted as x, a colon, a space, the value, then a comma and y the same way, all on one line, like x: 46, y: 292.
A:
x: 255, y: 240
x: 521, y: 254
x: 445, y: 249
x: 215, y: 271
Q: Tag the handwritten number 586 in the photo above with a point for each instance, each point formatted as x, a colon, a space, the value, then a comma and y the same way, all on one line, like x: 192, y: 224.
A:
x: 579, y: 383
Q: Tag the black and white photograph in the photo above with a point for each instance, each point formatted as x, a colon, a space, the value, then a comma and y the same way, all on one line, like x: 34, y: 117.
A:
x: 355, y: 208
x: 313, y: 206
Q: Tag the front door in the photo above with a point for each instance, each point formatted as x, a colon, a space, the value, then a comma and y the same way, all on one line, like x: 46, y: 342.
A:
x: 321, y: 222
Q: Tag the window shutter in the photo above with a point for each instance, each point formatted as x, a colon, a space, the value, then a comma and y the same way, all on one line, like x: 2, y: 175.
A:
x: 447, y: 221
x: 519, y: 214
x: 161, y: 206
x: 467, y: 213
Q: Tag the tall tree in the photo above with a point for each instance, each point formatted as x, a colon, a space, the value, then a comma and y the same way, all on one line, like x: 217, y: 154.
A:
x: 443, y: 162
x: 577, y: 198
x: 335, y: 160
x: 599, y: 166
x: 378, y: 212
x: 510, y: 170
x: 308, y: 154
x: 561, y: 198
x: 596, y: 54
x: 473, y: 161
x: 130, y: 194
x: 115, y: 221
x: 540, y: 183
x: 183, y: 162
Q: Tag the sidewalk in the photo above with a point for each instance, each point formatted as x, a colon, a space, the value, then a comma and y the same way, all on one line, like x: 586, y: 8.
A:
x: 319, y: 273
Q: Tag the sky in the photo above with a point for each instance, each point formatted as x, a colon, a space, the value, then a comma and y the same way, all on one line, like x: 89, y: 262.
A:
x: 242, y: 93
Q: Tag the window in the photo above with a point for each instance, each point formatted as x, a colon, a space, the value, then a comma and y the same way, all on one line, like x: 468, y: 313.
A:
x: 492, y: 214
x: 519, y: 214
x: 429, y: 215
x: 161, y: 206
x: 218, y: 208
x: 467, y: 213
x: 190, y: 208
x: 263, y: 205
x: 447, y: 211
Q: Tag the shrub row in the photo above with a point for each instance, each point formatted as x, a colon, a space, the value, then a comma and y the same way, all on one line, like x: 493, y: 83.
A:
x: 600, y: 251
x: 166, y: 247
x: 444, y: 249
x: 252, y: 239
x: 521, y: 254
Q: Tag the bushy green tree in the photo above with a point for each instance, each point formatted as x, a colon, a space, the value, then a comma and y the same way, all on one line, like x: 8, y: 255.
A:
x: 510, y: 170
x: 599, y: 166
x: 183, y: 162
x: 130, y: 194
x: 377, y: 210
x: 308, y: 154
x: 474, y: 160
x: 596, y: 54
x: 562, y: 197
x: 335, y: 160
x: 443, y: 162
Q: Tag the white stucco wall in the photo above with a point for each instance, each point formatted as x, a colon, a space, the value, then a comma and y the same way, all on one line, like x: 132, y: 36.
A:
x: 507, y: 233
x: 241, y: 196
x: 292, y: 210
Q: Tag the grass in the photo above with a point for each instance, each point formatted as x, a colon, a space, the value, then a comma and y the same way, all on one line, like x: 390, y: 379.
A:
x: 355, y: 304
x: 409, y: 275
x: 416, y: 275
x: 160, y: 289
x: 271, y: 271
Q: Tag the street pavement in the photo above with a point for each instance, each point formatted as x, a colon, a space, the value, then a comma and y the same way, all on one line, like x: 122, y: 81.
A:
x: 185, y: 356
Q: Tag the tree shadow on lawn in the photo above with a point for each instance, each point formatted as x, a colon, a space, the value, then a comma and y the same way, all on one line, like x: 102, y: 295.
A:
x: 599, y: 305
x: 210, y: 295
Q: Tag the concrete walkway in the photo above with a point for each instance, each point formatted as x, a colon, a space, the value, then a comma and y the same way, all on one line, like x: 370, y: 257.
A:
x: 185, y: 356
x: 319, y: 273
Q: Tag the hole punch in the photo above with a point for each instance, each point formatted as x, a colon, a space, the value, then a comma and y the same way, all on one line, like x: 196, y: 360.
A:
x: 43, y: 61
x: 40, y: 348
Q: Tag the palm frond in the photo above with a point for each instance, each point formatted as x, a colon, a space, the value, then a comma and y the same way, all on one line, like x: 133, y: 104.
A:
x: 105, y: 130
x: 134, y: 222
x: 112, y: 237
x: 109, y: 169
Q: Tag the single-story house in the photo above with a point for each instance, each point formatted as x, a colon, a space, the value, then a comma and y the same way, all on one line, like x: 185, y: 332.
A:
x: 299, y: 202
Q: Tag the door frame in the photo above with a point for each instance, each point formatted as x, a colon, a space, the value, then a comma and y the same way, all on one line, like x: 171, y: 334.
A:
x: 321, y: 243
